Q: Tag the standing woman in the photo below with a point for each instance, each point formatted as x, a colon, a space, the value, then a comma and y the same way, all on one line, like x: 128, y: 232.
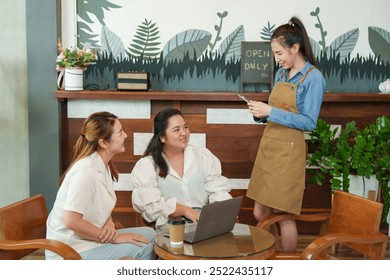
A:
x: 278, y: 176
x: 81, y: 215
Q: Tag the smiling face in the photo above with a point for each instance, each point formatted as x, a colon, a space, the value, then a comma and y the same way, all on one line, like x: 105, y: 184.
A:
x: 284, y: 56
x: 116, y: 144
x: 177, y: 134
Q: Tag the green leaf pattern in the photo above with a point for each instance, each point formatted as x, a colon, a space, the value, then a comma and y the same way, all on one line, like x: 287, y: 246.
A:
x: 345, y: 43
x: 231, y: 46
x: 379, y: 40
x: 112, y: 43
x: 192, y: 41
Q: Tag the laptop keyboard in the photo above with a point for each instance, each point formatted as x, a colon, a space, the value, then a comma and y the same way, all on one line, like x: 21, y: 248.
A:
x: 190, y: 231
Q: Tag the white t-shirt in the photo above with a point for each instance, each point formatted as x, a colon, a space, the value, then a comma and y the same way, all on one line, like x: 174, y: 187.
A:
x: 202, y: 183
x: 87, y: 189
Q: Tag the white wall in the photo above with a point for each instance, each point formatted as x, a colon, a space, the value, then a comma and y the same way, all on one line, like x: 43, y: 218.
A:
x: 14, y: 159
x: 175, y: 16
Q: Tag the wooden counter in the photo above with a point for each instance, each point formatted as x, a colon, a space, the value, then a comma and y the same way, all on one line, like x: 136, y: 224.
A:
x: 208, y: 96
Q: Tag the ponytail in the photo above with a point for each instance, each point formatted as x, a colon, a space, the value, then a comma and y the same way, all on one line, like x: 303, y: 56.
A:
x: 294, y: 32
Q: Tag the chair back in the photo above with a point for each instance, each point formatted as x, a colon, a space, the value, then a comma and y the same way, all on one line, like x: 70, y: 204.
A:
x: 25, y: 219
x: 353, y: 214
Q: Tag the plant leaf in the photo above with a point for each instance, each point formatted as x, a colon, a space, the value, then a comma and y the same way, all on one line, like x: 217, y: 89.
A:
x: 345, y: 43
x: 267, y: 32
x: 95, y: 7
x: 379, y: 40
x: 231, y: 46
x: 146, y: 41
x: 316, y: 48
x: 192, y: 41
x: 112, y: 43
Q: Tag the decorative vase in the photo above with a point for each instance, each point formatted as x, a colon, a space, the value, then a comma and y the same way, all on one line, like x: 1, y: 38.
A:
x: 74, y: 78
x: 360, y: 185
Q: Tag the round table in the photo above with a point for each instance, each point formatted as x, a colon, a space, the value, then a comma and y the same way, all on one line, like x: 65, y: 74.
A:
x: 243, y: 242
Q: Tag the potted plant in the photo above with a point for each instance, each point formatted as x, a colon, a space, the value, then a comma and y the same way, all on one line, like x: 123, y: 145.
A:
x: 363, y: 152
x: 71, y: 63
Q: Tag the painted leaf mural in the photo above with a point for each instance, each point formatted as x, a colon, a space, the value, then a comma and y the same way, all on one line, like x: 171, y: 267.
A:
x: 145, y: 43
x: 316, y: 47
x: 192, y: 41
x: 85, y: 9
x: 86, y: 35
x: 218, y: 28
x: 95, y: 7
x: 112, y: 43
x: 345, y: 43
x: 231, y: 46
x: 379, y: 40
x: 267, y: 31
x: 198, y: 59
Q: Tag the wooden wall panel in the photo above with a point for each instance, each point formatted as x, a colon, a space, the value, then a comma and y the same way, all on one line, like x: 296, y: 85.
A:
x: 234, y: 144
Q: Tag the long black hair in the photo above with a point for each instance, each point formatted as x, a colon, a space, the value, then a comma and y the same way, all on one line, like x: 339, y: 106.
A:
x: 155, y: 146
x: 294, y: 32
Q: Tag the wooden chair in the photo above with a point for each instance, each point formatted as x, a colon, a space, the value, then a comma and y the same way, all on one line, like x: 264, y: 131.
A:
x: 23, y: 231
x: 353, y: 221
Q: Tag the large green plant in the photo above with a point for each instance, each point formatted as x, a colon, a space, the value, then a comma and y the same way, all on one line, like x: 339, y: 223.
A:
x: 371, y: 149
x: 363, y: 152
x: 332, y: 154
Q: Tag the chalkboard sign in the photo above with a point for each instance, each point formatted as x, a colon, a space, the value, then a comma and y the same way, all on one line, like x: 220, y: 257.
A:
x: 256, y: 63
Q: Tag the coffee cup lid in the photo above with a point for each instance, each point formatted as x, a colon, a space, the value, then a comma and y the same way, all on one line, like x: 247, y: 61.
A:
x: 176, y: 221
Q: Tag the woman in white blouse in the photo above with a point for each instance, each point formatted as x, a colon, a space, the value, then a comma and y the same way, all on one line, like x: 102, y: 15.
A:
x: 174, y: 178
x: 81, y: 215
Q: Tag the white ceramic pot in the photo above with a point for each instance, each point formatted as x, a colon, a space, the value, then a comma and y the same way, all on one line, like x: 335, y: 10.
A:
x: 74, y: 78
x: 384, y: 87
x: 360, y: 185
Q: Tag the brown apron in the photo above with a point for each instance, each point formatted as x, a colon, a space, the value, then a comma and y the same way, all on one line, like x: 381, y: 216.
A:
x: 278, y: 175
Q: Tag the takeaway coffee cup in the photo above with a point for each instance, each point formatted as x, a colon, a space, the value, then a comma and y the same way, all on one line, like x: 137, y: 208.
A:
x: 176, y: 230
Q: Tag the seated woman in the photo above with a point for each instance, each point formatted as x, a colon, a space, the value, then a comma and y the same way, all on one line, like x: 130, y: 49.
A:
x: 81, y: 215
x: 174, y: 178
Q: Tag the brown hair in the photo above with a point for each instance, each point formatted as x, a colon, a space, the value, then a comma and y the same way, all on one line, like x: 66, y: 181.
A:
x: 97, y: 126
x: 294, y: 32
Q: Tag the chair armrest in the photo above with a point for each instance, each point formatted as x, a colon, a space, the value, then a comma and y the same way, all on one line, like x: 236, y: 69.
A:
x: 322, y: 243
x: 58, y: 247
x: 277, y: 217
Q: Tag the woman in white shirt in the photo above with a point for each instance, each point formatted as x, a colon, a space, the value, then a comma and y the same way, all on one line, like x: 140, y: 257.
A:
x: 81, y: 215
x: 174, y: 178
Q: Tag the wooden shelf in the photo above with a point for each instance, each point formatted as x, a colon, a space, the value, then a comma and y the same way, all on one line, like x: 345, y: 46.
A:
x: 208, y: 96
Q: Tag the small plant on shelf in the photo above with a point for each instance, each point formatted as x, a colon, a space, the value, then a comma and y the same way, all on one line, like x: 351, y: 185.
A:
x: 75, y: 57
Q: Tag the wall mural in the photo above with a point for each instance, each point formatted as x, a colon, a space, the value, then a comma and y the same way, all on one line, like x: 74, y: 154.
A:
x: 202, y: 60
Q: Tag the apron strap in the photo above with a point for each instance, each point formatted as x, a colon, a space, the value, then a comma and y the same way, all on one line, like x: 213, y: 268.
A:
x: 304, y: 76
x: 281, y: 74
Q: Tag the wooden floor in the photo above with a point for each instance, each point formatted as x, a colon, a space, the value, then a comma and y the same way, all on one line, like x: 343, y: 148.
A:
x: 342, y: 252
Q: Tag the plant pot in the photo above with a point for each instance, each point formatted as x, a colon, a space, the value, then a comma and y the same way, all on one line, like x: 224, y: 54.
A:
x: 74, y: 78
x: 388, y: 223
x: 361, y: 186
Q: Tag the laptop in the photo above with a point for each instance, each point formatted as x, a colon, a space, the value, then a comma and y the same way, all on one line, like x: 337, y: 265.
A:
x: 215, y: 219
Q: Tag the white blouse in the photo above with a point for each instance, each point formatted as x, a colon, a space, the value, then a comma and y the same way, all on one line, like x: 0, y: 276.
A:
x: 202, y: 183
x: 87, y: 189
